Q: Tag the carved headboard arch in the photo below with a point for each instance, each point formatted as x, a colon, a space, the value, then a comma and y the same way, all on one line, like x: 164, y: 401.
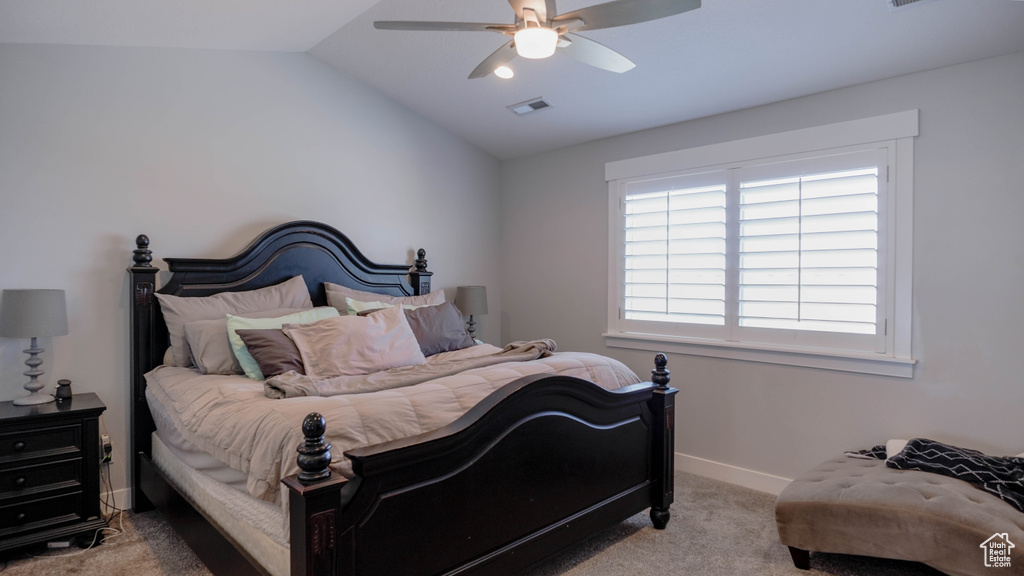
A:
x: 310, y: 248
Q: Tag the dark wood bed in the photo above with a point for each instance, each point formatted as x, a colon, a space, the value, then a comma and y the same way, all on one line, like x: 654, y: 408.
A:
x: 538, y: 465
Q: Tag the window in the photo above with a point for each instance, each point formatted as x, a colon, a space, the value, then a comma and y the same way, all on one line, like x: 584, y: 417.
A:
x: 796, y: 257
x: 675, y: 255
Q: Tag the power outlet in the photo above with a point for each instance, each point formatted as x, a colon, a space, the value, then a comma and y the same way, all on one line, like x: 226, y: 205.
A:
x: 107, y: 449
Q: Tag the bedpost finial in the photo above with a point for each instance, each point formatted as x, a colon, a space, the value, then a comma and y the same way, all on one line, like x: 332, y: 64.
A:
x: 313, y: 426
x: 315, y: 454
x: 142, y: 255
x: 421, y: 260
x: 660, y: 375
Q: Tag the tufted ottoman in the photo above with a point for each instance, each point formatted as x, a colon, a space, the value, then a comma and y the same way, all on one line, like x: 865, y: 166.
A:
x: 855, y: 506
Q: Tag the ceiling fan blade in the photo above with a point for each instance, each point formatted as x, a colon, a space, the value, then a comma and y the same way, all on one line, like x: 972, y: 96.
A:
x: 624, y: 12
x: 589, y: 52
x: 500, y: 57
x: 442, y: 26
x: 544, y: 9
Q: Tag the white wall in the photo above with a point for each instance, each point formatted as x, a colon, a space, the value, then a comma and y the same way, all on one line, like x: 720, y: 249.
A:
x: 201, y: 150
x: 968, y: 387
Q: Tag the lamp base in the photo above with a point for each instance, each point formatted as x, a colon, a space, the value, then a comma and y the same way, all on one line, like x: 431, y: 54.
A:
x: 34, y: 386
x: 33, y: 399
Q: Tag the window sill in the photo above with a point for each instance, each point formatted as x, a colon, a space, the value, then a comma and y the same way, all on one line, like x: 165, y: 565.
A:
x: 876, y: 364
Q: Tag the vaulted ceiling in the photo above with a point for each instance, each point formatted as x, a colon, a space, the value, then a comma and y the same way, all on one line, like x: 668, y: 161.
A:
x: 724, y: 56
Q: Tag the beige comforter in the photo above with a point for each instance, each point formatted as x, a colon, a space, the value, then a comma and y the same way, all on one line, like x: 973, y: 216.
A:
x: 292, y: 384
x: 230, y: 417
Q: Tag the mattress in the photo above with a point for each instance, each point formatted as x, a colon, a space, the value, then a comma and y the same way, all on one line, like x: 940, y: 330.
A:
x: 261, y: 528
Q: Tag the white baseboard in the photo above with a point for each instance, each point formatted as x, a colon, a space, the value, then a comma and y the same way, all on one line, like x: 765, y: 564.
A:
x: 731, y: 474
x: 122, y: 498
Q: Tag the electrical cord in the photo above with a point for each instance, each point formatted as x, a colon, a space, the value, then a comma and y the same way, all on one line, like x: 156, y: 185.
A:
x: 109, y: 506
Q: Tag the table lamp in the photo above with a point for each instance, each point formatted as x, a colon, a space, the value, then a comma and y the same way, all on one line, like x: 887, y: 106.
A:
x: 33, y: 314
x: 471, y: 300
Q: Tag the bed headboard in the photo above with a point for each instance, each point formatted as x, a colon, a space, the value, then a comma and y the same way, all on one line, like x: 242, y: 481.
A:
x: 317, y: 251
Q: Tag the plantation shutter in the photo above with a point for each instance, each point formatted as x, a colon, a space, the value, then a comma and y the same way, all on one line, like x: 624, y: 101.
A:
x: 809, y: 246
x: 675, y: 251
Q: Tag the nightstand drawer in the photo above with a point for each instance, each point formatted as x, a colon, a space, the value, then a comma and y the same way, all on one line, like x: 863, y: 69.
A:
x: 41, y: 512
x: 19, y: 482
x: 40, y: 442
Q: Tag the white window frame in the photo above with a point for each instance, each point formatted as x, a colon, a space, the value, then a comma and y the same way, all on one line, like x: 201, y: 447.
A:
x: 895, y: 132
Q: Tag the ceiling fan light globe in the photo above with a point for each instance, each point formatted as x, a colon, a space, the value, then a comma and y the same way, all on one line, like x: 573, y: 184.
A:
x: 536, y: 43
x: 504, y: 72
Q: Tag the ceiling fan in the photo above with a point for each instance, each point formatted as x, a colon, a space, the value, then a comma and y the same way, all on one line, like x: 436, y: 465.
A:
x: 539, y: 30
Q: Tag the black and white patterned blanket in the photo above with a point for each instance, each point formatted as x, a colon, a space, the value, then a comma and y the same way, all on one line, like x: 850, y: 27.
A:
x: 1002, y: 476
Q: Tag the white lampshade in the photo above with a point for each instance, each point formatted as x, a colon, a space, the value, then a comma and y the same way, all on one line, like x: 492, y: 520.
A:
x: 471, y: 300
x: 536, y: 42
x: 33, y: 313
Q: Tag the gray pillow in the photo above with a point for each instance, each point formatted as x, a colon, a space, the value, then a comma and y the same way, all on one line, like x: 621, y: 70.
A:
x: 273, y: 351
x: 439, y: 328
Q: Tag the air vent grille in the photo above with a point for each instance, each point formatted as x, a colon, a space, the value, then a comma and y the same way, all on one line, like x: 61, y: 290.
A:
x: 895, y: 5
x: 529, y: 106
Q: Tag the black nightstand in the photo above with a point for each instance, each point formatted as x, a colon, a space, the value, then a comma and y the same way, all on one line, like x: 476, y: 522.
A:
x: 49, y: 471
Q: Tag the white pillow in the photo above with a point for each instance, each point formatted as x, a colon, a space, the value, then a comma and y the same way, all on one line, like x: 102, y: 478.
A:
x: 354, y: 307
x: 245, y: 359
x: 894, y: 447
x: 337, y: 293
x: 351, y: 345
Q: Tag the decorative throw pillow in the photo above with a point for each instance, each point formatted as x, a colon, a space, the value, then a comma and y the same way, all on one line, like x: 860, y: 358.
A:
x: 337, y: 293
x: 180, y: 310
x: 438, y: 328
x: 274, y: 352
x: 209, y: 347
x: 351, y: 345
x: 235, y: 323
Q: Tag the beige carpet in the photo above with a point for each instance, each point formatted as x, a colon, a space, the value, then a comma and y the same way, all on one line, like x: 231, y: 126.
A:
x: 717, y: 529
x: 147, y: 547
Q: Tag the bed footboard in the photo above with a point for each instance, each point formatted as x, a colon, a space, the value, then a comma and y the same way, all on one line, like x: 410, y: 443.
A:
x: 538, y: 465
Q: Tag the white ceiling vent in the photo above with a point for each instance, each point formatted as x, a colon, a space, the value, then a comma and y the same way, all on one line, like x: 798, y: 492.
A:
x: 529, y: 106
x: 895, y: 5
